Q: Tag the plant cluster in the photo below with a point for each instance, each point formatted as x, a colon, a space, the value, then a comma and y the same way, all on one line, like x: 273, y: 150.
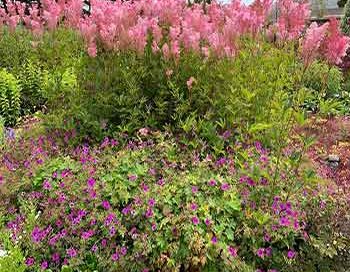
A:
x: 152, y: 203
x: 173, y: 26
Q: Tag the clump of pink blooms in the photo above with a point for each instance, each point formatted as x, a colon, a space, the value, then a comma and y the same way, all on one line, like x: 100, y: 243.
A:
x: 173, y: 26
x: 325, y: 40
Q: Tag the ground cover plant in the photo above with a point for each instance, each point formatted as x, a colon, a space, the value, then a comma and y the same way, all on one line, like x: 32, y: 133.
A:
x: 171, y: 136
x: 147, y: 204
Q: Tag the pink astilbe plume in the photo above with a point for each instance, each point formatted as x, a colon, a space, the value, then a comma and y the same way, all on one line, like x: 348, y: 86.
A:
x: 335, y: 44
x: 311, y: 42
x: 291, y: 19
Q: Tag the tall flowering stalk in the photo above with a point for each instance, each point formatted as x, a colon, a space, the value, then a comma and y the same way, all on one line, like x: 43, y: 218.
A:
x: 173, y: 26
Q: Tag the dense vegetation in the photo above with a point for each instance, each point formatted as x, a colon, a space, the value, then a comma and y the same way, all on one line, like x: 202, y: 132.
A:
x: 167, y: 136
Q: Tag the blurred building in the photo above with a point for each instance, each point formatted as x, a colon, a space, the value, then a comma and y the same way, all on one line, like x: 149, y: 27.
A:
x: 323, y: 9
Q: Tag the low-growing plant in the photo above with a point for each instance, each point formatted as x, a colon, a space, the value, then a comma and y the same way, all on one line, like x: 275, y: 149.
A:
x: 151, y: 204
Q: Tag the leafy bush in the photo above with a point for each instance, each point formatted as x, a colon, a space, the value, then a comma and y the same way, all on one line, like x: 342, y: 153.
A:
x: 16, y: 48
x: 345, y: 19
x: 148, y: 204
x: 31, y: 81
x: 195, y: 95
x: 324, y: 84
x: 10, y: 98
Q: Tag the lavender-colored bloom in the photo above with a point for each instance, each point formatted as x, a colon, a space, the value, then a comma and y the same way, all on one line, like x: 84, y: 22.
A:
x: 291, y: 254
x: 260, y: 252
x: 112, y: 231
x: 195, y: 220
x: 284, y: 221
x: 194, y: 206
x: 115, y: 257
x: 161, y: 182
x: 145, y: 187
x: 225, y: 186
x: 106, y: 205
x: 212, y: 182
x: 154, y: 227
x: 151, y: 202
x: 268, y: 251
x: 44, y: 265
x: 36, y: 235
x: 91, y: 182
x: 194, y: 189
x: 94, y: 248
x: 149, y: 213
x: 250, y: 182
x: 87, y: 234
x: 152, y: 171
x: 29, y: 261
x: 263, y: 181
x: 126, y: 210
x: 207, y: 221
x: 132, y: 177
x: 267, y: 238
x: 104, y: 242
x: 226, y: 135
x: 10, y: 134
x: 232, y: 251
x: 55, y: 257
x: 123, y: 251
x: 47, y: 185
x: 214, y: 240
x: 221, y: 161
x: 72, y: 252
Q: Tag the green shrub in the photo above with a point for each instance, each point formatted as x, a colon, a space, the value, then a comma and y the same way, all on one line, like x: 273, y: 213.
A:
x: 127, y: 91
x: 345, y: 27
x: 258, y: 91
x: 10, y: 98
x: 16, y: 48
x: 59, y: 50
x: 31, y: 81
x: 325, y: 87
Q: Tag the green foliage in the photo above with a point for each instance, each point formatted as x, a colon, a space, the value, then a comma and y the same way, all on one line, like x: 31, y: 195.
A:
x: 125, y: 91
x: 345, y: 27
x: 13, y: 259
x: 166, y: 205
x: 59, y: 50
x: 31, y: 80
x: 130, y: 91
x: 325, y: 89
x: 341, y: 3
x: 2, y: 132
x: 15, y: 49
x: 10, y: 98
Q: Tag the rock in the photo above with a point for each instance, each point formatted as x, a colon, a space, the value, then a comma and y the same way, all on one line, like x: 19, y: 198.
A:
x: 333, y: 160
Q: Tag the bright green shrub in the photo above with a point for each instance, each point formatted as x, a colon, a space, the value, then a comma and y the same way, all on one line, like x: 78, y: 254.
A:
x: 16, y: 49
x: 31, y: 80
x: 325, y: 87
x: 10, y: 98
x: 59, y: 50
x: 257, y: 91
x: 127, y: 91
